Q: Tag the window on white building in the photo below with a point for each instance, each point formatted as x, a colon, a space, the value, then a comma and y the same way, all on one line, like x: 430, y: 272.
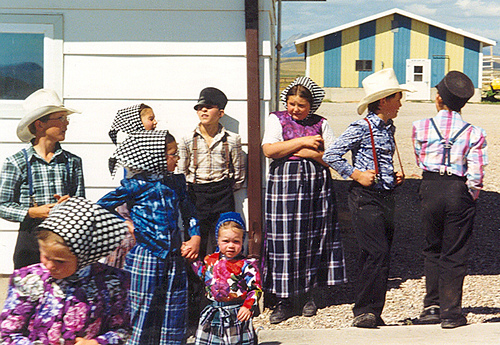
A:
x: 31, y: 58
x: 21, y: 64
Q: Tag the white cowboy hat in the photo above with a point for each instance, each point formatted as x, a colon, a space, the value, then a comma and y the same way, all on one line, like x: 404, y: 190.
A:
x: 380, y: 85
x: 37, y: 105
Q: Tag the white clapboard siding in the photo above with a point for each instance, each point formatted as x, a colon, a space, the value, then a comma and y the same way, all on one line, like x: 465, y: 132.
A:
x: 158, y: 77
x: 115, y: 54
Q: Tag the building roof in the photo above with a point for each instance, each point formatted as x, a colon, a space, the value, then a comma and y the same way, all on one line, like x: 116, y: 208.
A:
x: 300, y: 43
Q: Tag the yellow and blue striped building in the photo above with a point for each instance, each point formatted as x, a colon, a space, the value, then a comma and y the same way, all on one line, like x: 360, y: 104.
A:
x: 389, y: 39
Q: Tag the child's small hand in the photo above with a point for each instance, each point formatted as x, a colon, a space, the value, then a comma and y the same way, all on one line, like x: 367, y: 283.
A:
x: 190, y: 248
x: 244, y: 314
x: 82, y: 341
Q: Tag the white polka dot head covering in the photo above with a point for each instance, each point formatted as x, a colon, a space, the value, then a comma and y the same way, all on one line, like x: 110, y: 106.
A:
x: 317, y: 92
x: 142, y: 151
x: 127, y: 120
x: 90, y: 231
x: 230, y: 217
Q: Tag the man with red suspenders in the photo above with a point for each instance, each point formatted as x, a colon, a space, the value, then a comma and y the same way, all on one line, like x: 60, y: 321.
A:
x: 452, y: 155
x: 371, y: 200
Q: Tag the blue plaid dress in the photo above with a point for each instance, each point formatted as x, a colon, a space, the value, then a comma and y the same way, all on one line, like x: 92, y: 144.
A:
x: 302, y: 247
x: 158, y: 272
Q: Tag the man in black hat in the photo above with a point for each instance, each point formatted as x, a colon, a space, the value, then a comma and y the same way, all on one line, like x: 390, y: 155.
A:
x: 452, y: 154
x: 213, y: 162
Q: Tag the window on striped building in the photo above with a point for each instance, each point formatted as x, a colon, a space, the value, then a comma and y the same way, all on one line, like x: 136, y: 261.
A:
x: 363, y: 65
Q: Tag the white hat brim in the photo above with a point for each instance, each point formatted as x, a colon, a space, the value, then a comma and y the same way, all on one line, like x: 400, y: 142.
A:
x: 363, y: 104
x: 23, y: 131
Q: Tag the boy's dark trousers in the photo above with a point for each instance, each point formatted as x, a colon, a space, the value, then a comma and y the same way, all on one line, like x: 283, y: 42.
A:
x: 448, y: 212
x: 210, y: 200
x: 372, y: 214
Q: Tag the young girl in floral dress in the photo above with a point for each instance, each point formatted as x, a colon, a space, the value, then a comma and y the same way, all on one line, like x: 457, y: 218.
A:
x: 70, y: 298
x: 232, y: 284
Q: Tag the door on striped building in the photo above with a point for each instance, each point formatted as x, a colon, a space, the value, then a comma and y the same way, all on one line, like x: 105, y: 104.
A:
x: 418, y: 76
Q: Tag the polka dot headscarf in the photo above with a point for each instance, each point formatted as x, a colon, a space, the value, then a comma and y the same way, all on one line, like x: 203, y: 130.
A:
x: 90, y: 231
x: 143, y: 151
x: 317, y: 92
x: 127, y: 120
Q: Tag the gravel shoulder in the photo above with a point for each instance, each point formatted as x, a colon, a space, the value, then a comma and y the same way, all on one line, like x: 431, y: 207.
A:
x: 481, y: 298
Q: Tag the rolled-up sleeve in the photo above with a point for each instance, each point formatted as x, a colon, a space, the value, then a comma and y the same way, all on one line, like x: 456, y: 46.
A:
x: 347, y: 141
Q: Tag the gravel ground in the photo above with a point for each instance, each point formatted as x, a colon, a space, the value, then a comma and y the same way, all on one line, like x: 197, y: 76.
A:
x: 481, y: 298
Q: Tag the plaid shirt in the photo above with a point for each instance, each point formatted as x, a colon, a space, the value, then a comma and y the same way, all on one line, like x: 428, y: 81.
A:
x: 48, y: 178
x: 356, y: 138
x: 467, y: 155
x: 212, y: 165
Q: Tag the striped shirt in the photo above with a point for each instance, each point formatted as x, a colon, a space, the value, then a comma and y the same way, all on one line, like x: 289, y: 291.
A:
x: 48, y: 178
x: 212, y: 165
x: 356, y: 138
x: 468, y: 154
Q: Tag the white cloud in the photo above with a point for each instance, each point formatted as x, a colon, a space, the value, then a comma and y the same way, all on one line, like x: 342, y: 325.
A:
x: 421, y: 9
x: 479, y: 8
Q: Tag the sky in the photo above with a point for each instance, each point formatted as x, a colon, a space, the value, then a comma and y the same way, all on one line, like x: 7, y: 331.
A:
x: 480, y: 17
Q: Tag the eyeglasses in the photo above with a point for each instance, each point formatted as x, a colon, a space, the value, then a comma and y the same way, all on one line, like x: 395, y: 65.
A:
x: 62, y: 118
x: 174, y: 155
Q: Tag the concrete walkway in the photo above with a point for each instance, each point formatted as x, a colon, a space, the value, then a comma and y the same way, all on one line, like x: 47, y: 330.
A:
x: 481, y: 334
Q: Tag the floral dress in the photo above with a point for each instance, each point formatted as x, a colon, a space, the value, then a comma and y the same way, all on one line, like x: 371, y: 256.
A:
x: 92, y: 304
x: 230, y: 284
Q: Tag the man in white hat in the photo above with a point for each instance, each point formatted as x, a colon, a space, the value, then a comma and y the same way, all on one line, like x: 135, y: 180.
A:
x: 34, y: 179
x: 371, y: 200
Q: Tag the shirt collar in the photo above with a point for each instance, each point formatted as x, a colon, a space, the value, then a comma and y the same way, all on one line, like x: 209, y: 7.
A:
x: 30, y: 150
x: 449, y: 114
x: 221, y: 131
x: 378, y: 122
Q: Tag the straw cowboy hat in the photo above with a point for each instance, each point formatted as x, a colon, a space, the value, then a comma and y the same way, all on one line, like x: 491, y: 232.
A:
x: 37, y: 105
x: 380, y: 85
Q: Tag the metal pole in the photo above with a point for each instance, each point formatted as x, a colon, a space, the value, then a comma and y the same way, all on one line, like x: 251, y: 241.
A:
x: 254, y: 190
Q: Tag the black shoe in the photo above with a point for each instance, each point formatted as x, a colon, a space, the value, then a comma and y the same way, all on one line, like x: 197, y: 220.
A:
x: 367, y: 320
x: 429, y: 315
x: 454, y: 323
x: 380, y: 321
x: 309, y: 308
x: 282, y: 312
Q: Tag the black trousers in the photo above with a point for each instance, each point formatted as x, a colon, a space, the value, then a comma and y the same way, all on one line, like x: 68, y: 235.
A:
x: 448, y: 212
x: 26, y: 251
x: 372, y: 214
x: 210, y: 200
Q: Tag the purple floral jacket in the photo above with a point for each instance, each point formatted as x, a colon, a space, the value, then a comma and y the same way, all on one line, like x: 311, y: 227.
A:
x: 92, y: 304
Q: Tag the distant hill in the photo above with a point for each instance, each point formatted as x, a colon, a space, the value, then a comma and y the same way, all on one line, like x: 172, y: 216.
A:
x: 288, y: 48
x: 20, y: 80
